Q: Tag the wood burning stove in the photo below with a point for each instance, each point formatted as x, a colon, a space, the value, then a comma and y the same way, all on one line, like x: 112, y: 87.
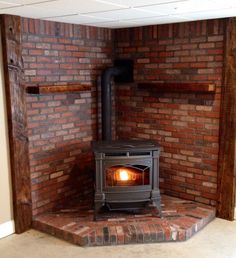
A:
x: 127, y: 175
x: 127, y: 172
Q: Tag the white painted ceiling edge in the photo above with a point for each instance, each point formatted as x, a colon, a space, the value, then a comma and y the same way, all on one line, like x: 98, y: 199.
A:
x: 120, y: 13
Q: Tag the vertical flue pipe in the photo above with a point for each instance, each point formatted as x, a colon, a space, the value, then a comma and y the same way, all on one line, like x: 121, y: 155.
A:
x: 106, y: 79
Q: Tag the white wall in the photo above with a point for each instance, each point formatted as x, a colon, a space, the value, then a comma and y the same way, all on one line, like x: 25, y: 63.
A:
x: 6, y: 209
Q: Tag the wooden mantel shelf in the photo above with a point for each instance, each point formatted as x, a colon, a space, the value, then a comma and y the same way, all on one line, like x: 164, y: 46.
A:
x: 45, y: 89
x: 178, y: 87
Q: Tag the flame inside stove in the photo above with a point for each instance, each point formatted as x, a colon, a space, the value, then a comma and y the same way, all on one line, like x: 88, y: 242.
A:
x: 124, y: 175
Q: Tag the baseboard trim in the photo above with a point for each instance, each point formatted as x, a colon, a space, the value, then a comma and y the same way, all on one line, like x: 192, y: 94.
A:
x: 7, y: 228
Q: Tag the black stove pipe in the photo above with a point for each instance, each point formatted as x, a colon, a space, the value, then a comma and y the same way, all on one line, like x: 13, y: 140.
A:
x: 106, y: 79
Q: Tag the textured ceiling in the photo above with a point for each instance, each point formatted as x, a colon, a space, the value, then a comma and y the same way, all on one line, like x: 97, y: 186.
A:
x: 120, y: 13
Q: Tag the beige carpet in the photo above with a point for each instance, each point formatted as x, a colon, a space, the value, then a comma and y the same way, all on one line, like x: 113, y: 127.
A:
x: 216, y: 240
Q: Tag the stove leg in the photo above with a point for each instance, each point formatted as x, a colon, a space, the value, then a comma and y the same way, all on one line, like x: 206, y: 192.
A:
x: 99, y: 202
x: 156, y: 200
x: 97, y: 207
x: 157, y: 205
x: 159, y: 208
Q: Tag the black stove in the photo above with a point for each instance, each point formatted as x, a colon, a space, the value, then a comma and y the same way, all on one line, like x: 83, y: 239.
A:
x: 127, y: 175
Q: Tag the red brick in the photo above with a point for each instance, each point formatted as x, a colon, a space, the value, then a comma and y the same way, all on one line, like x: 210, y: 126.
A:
x: 35, y: 52
x: 143, y: 60
x: 215, y: 38
x: 215, y: 51
x: 43, y: 45
x: 207, y: 45
x: 189, y: 46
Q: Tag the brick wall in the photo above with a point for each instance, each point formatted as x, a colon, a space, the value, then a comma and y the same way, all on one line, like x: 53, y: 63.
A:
x: 62, y: 126
x: 185, y: 125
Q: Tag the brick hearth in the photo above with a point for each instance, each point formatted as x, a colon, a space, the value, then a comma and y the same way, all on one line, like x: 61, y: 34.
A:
x: 181, y: 220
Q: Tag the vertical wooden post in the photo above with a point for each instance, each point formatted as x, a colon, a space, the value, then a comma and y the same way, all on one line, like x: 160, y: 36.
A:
x: 16, y: 112
x: 227, y: 159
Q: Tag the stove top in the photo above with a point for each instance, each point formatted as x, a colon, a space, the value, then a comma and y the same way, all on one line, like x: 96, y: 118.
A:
x: 124, y: 145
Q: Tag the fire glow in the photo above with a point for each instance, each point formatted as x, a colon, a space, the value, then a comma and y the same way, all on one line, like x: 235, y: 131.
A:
x: 124, y: 175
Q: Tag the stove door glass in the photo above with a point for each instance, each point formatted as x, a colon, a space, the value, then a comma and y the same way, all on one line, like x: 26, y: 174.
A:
x: 127, y: 175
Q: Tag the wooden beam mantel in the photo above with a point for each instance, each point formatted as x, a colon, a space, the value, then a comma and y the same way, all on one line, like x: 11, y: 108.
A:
x: 47, y: 89
x: 17, y: 127
x: 227, y: 153
x: 178, y: 87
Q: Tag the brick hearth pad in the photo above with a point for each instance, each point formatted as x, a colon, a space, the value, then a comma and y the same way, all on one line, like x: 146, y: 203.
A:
x: 181, y: 220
